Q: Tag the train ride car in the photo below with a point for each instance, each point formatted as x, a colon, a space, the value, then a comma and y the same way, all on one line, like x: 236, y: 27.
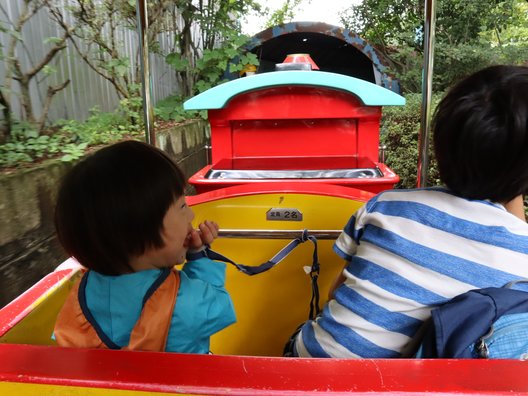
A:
x: 327, y: 125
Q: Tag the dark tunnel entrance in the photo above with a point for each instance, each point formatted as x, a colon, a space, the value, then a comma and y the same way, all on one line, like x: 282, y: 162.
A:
x: 332, y: 48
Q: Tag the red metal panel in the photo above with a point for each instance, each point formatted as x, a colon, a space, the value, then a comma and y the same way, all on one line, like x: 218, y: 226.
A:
x: 294, y: 102
x: 221, y: 139
x: 307, y: 137
x: 368, y: 138
x: 210, y: 374
x: 291, y: 120
x: 294, y: 163
x: 374, y: 185
x: 290, y: 125
x: 280, y: 187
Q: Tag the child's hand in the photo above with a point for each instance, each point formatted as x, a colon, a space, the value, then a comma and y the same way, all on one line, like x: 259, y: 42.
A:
x: 207, y: 234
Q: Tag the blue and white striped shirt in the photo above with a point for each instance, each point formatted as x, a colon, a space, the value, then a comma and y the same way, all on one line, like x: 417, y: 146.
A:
x: 407, y: 252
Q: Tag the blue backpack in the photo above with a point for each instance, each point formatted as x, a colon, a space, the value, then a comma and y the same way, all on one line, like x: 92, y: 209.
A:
x: 482, y: 323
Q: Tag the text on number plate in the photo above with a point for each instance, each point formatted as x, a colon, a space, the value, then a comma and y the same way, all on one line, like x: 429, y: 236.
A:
x: 284, y: 214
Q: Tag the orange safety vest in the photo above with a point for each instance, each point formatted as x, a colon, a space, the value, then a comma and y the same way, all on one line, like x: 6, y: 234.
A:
x: 75, y: 326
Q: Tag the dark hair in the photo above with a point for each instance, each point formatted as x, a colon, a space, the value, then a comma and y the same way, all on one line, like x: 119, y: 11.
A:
x: 481, y: 134
x: 111, y: 205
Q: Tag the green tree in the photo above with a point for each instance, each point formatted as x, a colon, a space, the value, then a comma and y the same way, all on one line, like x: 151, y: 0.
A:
x: 510, y: 32
x: 469, y: 35
x: 94, y: 27
x: 283, y: 14
x: 400, y: 127
x: 393, y: 26
x: 206, y: 35
x: 201, y: 64
x: 16, y: 73
x: 492, y: 34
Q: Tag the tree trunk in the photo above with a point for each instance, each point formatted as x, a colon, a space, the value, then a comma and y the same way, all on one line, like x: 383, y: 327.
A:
x: 7, y: 121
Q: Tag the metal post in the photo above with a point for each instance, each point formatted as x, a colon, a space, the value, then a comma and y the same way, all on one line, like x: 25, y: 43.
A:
x: 382, y: 151
x: 208, y: 154
x: 148, y: 111
x: 427, y: 87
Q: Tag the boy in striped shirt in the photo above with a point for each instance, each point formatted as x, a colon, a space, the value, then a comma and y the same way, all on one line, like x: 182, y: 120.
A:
x: 408, y: 251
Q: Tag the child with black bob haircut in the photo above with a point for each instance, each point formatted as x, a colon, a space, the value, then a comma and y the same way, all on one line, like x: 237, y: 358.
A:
x: 409, y: 251
x: 121, y: 213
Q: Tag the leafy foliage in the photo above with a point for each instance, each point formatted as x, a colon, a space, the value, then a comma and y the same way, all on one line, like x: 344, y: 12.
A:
x: 171, y: 108
x: 201, y: 65
x: 103, y: 128
x: 209, y: 69
x: 92, y: 28
x: 400, y: 128
x: 26, y: 145
x: 69, y: 139
x: 221, y: 41
x: 283, y: 14
x: 470, y: 34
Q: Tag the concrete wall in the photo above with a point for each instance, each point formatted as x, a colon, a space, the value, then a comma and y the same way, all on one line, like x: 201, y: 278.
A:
x: 28, y: 247
x: 186, y: 145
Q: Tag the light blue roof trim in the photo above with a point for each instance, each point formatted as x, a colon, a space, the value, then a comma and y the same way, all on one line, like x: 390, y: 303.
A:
x: 370, y: 94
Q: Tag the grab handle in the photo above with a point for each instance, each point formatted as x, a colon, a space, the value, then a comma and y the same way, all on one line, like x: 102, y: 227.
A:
x: 275, y: 234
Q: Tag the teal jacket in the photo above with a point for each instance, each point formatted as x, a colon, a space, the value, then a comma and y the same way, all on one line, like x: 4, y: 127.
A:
x: 203, y: 306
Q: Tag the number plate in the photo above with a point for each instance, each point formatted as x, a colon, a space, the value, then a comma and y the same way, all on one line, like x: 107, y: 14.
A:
x: 284, y: 214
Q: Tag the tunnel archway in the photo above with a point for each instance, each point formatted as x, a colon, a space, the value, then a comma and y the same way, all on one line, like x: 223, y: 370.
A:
x: 334, y: 49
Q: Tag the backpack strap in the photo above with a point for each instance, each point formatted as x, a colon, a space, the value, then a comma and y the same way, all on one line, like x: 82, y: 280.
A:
x: 467, y: 318
x: 510, y: 285
x: 481, y: 345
